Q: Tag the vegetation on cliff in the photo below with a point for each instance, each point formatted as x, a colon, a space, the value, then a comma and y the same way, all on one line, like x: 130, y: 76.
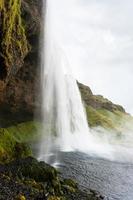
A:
x: 13, y: 40
x: 102, y: 112
x: 15, y: 141
x: 19, y: 80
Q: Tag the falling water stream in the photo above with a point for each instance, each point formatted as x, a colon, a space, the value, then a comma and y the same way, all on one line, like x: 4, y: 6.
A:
x: 64, y: 119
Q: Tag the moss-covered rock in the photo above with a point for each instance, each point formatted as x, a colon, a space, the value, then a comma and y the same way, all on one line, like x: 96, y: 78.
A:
x: 14, y: 44
x: 32, y: 180
x: 98, y: 101
x: 102, y: 112
x: 95, y: 118
x: 21, y: 20
x: 20, y: 197
x: 15, y: 141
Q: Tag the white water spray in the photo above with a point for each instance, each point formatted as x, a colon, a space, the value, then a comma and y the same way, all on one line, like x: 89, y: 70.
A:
x: 65, y: 126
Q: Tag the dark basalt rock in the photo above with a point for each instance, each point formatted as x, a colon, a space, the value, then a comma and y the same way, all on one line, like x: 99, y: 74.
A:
x: 32, y: 180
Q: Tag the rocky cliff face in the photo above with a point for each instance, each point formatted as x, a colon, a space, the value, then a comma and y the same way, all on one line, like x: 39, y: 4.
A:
x: 98, y: 101
x: 14, y: 44
x: 20, y: 25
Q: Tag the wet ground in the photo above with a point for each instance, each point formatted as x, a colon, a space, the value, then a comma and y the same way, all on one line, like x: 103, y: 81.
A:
x: 112, y: 179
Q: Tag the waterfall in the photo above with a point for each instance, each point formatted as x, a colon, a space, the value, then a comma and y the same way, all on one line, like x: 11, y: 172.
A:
x: 64, y: 118
x: 65, y: 126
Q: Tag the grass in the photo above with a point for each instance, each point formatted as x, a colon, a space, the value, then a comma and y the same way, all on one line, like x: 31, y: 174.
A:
x: 24, y: 132
x: 95, y: 118
x: 15, y: 140
x: 114, y: 121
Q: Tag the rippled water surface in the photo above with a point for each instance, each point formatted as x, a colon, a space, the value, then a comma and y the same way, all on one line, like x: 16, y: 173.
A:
x: 112, y: 179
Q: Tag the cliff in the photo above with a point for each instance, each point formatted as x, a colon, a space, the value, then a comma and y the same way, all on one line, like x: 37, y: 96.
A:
x: 102, y: 112
x: 20, y: 25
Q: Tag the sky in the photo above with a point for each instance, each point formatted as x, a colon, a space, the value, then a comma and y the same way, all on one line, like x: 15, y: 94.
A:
x: 96, y: 37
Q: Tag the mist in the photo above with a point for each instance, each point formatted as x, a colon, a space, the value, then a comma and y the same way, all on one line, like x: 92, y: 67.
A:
x: 97, y: 39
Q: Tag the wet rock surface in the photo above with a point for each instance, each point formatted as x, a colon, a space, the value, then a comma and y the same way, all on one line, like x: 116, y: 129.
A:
x: 28, y: 179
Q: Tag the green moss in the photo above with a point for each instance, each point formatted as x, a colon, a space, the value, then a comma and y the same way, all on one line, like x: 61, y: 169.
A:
x: 95, y: 118
x: 116, y: 121
x: 20, y: 197
x: 70, y: 185
x: 55, y: 198
x: 14, y: 42
x: 15, y: 140
x: 7, y: 143
x: 115, y: 117
x: 36, y: 185
x: 1, y: 4
x: 122, y: 121
x: 25, y: 132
